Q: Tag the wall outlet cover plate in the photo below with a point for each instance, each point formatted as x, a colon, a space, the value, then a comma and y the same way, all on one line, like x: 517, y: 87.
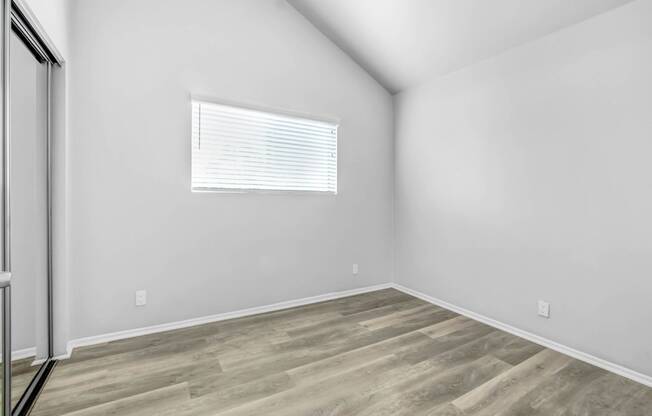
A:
x: 141, y: 298
x: 544, y: 309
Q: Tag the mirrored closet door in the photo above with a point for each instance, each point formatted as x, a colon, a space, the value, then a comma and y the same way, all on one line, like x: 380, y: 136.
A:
x: 26, y: 276
x: 29, y: 212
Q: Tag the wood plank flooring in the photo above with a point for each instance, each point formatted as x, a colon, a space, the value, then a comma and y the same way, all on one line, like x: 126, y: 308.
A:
x: 22, y: 374
x: 380, y: 353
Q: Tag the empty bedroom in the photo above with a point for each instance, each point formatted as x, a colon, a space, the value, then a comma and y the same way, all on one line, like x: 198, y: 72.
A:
x: 326, y: 207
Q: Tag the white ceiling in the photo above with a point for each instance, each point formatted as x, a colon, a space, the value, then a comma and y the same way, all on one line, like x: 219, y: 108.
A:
x: 403, y: 42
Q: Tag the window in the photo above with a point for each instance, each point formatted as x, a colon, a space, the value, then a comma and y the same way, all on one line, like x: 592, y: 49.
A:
x: 238, y: 149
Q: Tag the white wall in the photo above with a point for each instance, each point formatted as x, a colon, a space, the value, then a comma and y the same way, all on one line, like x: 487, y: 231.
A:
x: 134, y: 224
x: 528, y: 177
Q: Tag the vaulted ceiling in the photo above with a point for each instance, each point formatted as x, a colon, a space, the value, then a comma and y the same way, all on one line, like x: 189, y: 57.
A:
x: 403, y: 42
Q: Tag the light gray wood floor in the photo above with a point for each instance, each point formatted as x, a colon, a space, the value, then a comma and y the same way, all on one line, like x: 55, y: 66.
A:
x: 381, y: 353
x: 22, y: 373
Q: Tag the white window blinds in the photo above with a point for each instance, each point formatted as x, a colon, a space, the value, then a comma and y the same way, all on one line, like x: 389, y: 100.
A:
x: 237, y: 149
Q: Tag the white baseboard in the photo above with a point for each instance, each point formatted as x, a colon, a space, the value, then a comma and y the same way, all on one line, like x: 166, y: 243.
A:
x: 39, y: 361
x: 130, y: 333
x: 67, y: 354
x: 598, y: 362
x: 22, y: 354
x: 100, y: 339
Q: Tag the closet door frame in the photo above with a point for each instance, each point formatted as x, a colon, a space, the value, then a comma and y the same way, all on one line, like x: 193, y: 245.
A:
x: 18, y: 18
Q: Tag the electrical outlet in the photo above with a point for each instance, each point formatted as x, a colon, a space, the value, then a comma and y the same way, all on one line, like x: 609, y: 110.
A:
x: 355, y: 269
x: 544, y: 309
x: 141, y: 297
